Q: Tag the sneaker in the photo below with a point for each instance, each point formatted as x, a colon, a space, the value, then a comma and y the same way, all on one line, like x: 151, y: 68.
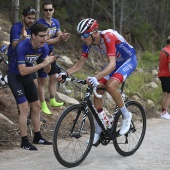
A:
x: 125, y: 125
x: 53, y: 103
x: 28, y: 146
x: 95, y: 139
x: 165, y: 115
x: 42, y: 141
x: 45, y: 109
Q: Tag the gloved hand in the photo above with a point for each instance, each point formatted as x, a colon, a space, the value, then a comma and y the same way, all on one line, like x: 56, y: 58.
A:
x: 93, y: 81
x: 63, y: 76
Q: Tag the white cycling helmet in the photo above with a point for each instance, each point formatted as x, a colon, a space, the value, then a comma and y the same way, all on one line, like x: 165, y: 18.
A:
x: 87, y: 25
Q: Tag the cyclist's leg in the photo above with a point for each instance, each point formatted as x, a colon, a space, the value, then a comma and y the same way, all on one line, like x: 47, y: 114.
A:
x: 122, y: 71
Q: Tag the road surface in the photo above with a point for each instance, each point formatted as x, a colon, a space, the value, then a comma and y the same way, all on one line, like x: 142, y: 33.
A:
x: 154, y: 154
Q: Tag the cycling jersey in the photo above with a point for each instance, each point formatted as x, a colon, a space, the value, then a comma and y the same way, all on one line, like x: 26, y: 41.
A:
x: 164, y: 61
x: 115, y: 45
x: 52, y: 29
x: 25, y: 54
x: 16, y: 35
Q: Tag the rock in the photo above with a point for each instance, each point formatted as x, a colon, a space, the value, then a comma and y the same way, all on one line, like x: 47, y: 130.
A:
x: 4, y: 118
x: 155, y: 72
x: 67, y: 60
x: 152, y: 85
x: 67, y: 99
x: 150, y: 104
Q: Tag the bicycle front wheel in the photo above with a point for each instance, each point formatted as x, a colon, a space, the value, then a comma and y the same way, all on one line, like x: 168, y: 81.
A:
x: 70, y: 136
x: 129, y: 143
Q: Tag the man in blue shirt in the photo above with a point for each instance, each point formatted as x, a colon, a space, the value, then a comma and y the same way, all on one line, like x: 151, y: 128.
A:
x: 21, y: 31
x: 21, y: 67
x: 55, y: 35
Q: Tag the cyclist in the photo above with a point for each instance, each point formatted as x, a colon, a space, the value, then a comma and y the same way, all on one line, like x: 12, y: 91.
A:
x: 55, y: 36
x: 122, y: 62
x: 21, y: 83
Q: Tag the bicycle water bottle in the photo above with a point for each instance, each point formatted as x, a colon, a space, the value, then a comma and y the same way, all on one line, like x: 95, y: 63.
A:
x: 105, y: 120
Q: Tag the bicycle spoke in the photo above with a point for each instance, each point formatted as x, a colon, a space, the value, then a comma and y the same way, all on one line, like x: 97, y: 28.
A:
x: 70, y: 146
x: 127, y: 144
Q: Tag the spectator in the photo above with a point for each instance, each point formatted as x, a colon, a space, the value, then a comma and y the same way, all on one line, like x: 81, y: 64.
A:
x: 20, y: 31
x: 164, y: 76
x: 55, y: 35
x: 21, y: 81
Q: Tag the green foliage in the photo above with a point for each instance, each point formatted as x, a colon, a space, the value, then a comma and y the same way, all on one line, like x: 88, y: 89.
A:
x: 137, y: 83
x: 149, y: 60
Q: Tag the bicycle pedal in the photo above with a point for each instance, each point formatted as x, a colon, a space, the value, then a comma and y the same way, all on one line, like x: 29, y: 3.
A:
x: 96, y: 144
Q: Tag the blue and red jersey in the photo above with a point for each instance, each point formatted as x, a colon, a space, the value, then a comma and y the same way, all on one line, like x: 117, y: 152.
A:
x: 112, y: 44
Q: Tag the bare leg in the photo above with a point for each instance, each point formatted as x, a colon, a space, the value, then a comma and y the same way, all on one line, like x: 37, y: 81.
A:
x: 52, y: 90
x: 23, y: 108
x: 35, y: 115
x: 41, y: 88
x: 52, y: 86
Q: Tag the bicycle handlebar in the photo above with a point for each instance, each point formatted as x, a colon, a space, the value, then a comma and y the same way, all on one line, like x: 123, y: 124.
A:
x: 83, y: 82
x: 3, y: 48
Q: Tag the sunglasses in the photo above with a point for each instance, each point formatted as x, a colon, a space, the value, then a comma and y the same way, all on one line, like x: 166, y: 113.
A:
x: 86, y: 35
x: 46, y: 10
x: 43, y: 35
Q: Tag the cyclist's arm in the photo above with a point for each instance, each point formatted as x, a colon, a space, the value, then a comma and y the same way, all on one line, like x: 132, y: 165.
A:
x: 17, y: 34
x: 78, y: 66
x: 109, y: 68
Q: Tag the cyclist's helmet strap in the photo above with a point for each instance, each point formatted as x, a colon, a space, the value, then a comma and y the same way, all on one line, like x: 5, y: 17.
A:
x: 87, y: 26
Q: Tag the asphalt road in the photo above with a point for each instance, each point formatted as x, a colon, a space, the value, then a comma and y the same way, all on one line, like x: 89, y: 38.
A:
x: 154, y: 154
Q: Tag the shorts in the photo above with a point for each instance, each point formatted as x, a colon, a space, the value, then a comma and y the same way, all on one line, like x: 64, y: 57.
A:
x: 165, y: 84
x: 23, y: 88
x: 54, y: 69
x: 123, y: 70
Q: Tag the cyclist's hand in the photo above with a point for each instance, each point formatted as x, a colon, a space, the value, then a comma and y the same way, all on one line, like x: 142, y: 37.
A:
x: 24, y: 32
x: 64, y: 36
x: 62, y: 77
x: 49, y: 60
x: 93, y: 81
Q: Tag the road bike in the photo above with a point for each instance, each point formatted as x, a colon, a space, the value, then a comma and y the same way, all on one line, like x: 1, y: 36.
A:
x: 76, y: 125
x: 3, y: 66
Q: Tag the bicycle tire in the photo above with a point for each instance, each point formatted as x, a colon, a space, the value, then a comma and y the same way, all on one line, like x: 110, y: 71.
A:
x: 129, y: 143
x: 71, y: 149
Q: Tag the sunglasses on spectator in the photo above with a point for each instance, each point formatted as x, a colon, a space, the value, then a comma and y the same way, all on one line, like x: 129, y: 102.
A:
x: 86, y: 35
x: 46, y: 10
x: 40, y: 35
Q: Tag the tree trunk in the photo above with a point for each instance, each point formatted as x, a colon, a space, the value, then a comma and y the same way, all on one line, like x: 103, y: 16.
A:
x: 121, y: 16
x: 37, y: 9
x: 16, y: 11
x: 114, y: 17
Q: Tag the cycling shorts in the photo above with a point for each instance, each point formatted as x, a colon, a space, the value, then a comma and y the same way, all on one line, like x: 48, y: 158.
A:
x: 165, y: 84
x: 23, y: 88
x: 123, y: 70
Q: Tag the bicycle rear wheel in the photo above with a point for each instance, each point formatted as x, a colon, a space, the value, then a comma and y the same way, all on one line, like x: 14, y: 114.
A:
x: 129, y: 143
x: 69, y: 140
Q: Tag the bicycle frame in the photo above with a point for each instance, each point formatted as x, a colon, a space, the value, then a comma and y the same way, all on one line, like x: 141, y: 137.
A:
x: 87, y: 104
